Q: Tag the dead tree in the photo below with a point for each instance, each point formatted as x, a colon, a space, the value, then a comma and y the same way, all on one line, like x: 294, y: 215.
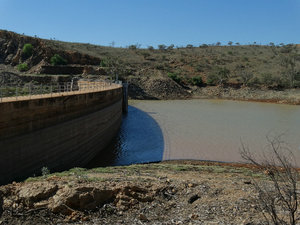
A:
x: 278, y: 194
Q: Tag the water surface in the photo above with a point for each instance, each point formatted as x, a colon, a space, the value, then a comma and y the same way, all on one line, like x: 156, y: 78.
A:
x: 202, y: 130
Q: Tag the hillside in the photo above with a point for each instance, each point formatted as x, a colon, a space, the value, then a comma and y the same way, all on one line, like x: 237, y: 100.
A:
x: 167, y: 72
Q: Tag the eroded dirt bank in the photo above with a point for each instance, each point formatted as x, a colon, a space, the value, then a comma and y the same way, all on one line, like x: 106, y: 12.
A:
x: 163, y: 193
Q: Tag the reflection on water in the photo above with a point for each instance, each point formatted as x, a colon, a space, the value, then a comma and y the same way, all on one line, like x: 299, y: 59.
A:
x: 140, y: 140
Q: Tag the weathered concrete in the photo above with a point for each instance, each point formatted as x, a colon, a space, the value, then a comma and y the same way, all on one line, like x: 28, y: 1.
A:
x: 58, y: 132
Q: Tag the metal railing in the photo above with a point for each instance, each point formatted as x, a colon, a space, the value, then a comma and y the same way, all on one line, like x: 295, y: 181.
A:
x: 18, y: 92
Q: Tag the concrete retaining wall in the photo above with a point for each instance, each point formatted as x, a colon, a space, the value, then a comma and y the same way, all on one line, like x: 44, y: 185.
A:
x: 58, y: 133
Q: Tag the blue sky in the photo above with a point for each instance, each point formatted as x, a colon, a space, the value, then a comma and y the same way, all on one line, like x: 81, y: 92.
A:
x: 153, y: 22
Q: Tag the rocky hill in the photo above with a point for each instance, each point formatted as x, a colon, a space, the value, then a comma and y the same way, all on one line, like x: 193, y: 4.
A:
x: 166, y: 72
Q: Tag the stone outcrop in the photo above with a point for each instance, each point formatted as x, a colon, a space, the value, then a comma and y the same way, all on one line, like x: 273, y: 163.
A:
x: 67, y: 199
x: 156, y: 88
x: 11, y: 45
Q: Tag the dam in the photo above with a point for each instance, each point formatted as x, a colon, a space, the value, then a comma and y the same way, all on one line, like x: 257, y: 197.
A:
x: 57, y: 130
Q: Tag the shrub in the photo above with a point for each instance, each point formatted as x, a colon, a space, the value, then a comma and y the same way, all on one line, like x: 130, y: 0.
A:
x: 162, y: 47
x: 106, y: 62
x: 23, y: 67
x: 58, y: 60
x: 199, y: 68
x: 174, y: 77
x: 170, y: 47
x: 132, y: 47
x: 267, y: 79
x: 219, y: 77
x: 103, y: 63
x: 197, y: 81
x: 246, y: 76
x: 45, y: 171
x: 27, y: 50
x: 212, y: 79
x: 278, y: 194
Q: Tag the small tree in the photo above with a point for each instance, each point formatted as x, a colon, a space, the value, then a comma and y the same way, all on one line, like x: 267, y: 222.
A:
x: 289, y: 65
x: 151, y: 48
x: 230, y: 43
x: 132, y: 47
x: 27, y: 50
x: 170, y: 47
x: 246, y: 76
x: 58, y: 60
x: 113, y: 66
x: 278, y: 199
x: 219, y: 77
x: 162, y: 47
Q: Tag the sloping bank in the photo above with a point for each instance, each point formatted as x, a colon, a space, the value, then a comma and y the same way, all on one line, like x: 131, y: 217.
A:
x: 162, y: 88
x: 178, y: 192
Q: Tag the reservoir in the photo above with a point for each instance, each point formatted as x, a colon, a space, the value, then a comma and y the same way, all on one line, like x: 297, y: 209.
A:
x: 200, y: 130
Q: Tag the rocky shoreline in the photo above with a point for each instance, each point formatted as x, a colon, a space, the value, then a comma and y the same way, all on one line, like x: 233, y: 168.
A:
x: 286, y: 96
x: 174, y: 192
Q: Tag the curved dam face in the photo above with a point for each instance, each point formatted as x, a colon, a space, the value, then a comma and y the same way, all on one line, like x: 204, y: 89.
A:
x: 57, y: 132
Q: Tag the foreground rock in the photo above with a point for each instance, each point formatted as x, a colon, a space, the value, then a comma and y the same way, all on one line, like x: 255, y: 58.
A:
x: 140, y: 194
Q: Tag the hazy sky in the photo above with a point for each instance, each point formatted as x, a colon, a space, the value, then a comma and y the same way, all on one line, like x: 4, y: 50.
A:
x: 153, y: 22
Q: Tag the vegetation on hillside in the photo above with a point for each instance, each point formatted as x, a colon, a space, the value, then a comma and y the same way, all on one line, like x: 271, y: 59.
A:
x: 23, y: 67
x: 27, y: 50
x: 253, y: 65
x: 238, y: 65
x: 58, y: 60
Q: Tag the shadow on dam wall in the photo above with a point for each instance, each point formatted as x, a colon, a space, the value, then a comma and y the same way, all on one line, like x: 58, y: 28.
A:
x: 140, y: 140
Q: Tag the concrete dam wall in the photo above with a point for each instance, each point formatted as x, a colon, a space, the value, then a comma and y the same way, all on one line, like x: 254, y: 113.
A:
x: 57, y: 132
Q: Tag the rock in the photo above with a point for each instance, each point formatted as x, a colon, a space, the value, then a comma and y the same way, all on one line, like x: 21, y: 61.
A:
x: 1, y: 203
x: 248, y: 182
x: 190, y: 185
x: 193, y: 216
x: 35, y: 192
x: 193, y: 198
x: 143, y: 218
x: 80, y: 198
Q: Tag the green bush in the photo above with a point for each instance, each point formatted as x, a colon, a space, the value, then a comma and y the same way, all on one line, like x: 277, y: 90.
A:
x: 27, y: 50
x: 197, y: 81
x: 23, y: 67
x: 174, y: 77
x: 58, y: 60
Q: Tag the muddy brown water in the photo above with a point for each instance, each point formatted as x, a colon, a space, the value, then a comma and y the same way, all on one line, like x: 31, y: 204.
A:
x: 200, y: 130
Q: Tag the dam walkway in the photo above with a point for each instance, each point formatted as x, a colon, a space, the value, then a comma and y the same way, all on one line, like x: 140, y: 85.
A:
x: 13, y: 94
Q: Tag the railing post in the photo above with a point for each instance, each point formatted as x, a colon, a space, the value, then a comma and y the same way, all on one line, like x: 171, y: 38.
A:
x: 29, y: 87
